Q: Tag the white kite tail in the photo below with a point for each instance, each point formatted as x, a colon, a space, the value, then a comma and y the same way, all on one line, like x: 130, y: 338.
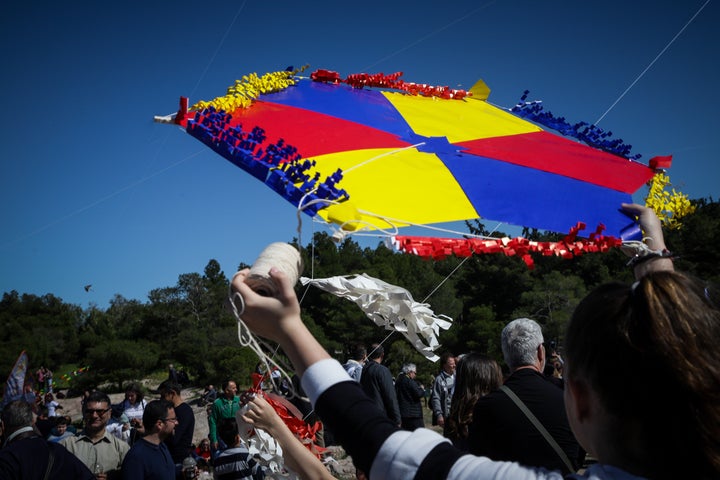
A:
x: 391, y: 307
x: 266, y: 451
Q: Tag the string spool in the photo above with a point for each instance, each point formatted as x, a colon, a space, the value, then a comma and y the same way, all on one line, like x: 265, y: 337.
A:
x: 280, y: 255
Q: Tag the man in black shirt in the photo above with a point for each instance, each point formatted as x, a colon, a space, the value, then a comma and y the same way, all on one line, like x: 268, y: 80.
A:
x: 500, y: 430
x: 377, y: 382
x: 28, y: 456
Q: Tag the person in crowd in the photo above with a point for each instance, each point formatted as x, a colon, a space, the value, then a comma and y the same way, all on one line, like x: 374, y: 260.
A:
x: 25, y: 455
x: 40, y: 377
x: 52, y: 405
x: 377, y: 382
x: 43, y: 422
x: 297, y: 456
x: 31, y: 397
x: 203, y: 452
x: 501, y: 431
x: 442, y: 389
x: 48, y: 380
x: 225, y: 406
x: 551, y: 375
x: 355, y: 363
x: 149, y: 457
x: 183, y: 377
x: 100, y: 451
x: 60, y: 431
x: 180, y: 443
x: 209, y: 395
x: 134, y: 405
x: 409, y: 394
x: 665, y: 326
x: 476, y: 376
x: 119, y: 426
x: 172, y: 374
x: 83, y: 399
x: 235, y: 462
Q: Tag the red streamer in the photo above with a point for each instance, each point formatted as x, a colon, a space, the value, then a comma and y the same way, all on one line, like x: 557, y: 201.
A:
x: 393, y: 81
x: 440, y: 248
x: 290, y: 415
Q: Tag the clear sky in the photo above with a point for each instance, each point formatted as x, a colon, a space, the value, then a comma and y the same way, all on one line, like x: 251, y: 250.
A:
x: 93, y: 192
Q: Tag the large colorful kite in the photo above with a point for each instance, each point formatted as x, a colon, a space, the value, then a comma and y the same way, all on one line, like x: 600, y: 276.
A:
x: 375, y: 152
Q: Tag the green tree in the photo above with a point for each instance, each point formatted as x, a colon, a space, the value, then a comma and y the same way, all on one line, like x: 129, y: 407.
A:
x: 120, y: 361
x: 551, y: 302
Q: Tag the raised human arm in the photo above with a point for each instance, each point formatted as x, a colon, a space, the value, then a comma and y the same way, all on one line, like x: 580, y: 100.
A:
x: 652, y: 237
x: 297, y: 456
x: 376, y: 445
x: 278, y: 319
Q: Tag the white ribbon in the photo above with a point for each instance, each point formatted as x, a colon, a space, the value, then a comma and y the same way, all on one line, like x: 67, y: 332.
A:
x: 391, y: 307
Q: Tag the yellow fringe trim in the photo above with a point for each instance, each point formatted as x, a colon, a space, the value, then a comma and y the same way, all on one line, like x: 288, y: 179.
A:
x: 670, y: 206
x: 248, y: 88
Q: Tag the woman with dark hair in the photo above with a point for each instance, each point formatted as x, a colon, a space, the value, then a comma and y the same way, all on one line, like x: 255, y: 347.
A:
x: 134, y: 404
x: 476, y: 376
x: 658, y: 418
x: 662, y: 414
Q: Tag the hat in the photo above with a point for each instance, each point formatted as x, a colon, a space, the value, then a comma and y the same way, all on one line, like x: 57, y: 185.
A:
x: 124, y: 418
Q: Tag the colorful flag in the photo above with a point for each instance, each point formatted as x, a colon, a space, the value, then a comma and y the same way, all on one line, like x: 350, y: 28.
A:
x: 16, y: 379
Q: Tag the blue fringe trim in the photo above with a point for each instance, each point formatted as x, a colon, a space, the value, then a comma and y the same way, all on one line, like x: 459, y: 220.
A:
x: 591, y: 135
x: 279, y: 166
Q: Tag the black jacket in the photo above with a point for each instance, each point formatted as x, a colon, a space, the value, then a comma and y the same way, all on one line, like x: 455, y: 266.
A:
x: 28, y: 458
x: 377, y: 382
x: 409, y: 394
x: 501, y: 431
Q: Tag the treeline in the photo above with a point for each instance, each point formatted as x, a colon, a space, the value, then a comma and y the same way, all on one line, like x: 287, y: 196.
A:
x: 188, y: 323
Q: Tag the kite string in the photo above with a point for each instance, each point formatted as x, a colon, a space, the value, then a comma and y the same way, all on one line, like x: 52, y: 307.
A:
x: 652, y: 63
x: 431, y: 34
x: 217, y: 50
x: 445, y: 279
x: 393, y: 152
x: 247, y: 339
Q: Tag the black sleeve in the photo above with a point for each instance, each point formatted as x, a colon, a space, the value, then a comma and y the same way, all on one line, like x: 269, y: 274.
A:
x: 438, y: 462
x: 357, y: 422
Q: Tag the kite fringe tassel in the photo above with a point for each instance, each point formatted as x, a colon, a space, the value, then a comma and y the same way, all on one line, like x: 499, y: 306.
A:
x: 391, y: 81
x: 244, y: 91
x: 670, y: 207
x: 569, y: 247
x: 279, y: 165
x: 592, y: 135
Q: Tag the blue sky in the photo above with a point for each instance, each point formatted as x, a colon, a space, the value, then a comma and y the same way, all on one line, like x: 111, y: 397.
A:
x: 93, y: 192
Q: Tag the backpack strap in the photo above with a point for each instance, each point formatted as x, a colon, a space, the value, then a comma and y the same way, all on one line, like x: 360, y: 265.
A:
x: 533, y: 419
x: 51, y: 460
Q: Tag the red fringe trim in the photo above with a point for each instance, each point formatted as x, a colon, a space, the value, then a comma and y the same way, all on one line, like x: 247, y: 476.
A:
x: 569, y: 247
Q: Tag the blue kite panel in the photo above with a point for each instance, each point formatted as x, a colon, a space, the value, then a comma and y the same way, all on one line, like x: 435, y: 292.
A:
x: 526, y: 197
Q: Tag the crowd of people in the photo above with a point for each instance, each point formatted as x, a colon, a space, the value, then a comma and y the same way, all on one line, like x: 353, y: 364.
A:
x: 549, y: 416
x: 141, y: 438
x: 657, y: 417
